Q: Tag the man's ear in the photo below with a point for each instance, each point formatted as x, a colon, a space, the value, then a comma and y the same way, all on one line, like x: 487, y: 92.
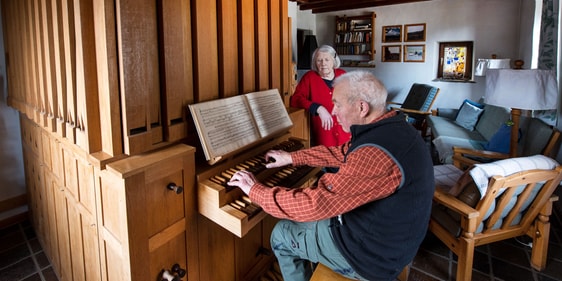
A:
x: 364, y: 108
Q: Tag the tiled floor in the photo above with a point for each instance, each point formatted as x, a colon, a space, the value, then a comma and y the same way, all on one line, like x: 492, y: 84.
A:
x: 22, y: 258
x: 509, y: 260
x: 21, y: 255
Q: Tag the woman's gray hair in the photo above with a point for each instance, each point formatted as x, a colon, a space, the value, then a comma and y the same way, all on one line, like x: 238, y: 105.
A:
x: 325, y: 49
x: 363, y: 85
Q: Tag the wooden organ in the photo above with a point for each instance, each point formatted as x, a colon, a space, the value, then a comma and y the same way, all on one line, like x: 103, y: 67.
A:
x: 253, y: 124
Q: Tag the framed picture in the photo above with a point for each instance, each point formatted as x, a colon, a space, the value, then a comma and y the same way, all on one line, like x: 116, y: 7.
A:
x: 455, y: 61
x: 414, y: 32
x: 391, y: 53
x: 414, y: 53
x: 392, y: 33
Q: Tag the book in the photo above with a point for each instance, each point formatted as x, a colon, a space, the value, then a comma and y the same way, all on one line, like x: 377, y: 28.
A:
x: 225, y: 125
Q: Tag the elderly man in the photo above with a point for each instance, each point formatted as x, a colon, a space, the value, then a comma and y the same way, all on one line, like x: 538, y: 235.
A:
x: 366, y: 221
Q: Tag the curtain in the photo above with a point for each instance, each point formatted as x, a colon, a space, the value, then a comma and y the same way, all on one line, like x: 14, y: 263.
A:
x: 548, y: 50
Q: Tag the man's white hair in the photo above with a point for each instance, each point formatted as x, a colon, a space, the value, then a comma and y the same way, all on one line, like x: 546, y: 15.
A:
x: 363, y: 85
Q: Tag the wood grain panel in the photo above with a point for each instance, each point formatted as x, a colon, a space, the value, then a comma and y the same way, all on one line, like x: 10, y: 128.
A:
x: 68, y: 43
x: 108, y: 78
x: 247, y: 46
x: 228, y: 48
x: 58, y: 63
x: 176, y: 63
x: 274, y: 39
x: 262, y: 45
x: 205, y: 50
x: 139, y: 81
x: 39, y: 42
x: 49, y: 64
x: 285, y: 48
x: 27, y: 53
x: 215, y: 242
x: 88, y: 134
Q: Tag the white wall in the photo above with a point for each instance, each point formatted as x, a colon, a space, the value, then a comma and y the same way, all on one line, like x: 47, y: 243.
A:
x: 495, y: 27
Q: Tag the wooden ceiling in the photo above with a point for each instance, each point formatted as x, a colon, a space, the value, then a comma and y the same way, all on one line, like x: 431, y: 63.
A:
x: 323, y: 6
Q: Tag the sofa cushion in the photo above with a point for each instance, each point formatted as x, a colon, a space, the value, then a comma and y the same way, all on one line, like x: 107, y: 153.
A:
x: 468, y: 114
x: 500, y: 141
x: 491, y: 120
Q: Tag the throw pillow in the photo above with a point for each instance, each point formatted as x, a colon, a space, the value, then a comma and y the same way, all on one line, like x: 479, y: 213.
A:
x: 468, y: 115
x: 500, y: 141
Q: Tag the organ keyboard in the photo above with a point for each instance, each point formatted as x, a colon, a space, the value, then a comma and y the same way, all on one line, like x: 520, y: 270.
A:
x: 228, y: 206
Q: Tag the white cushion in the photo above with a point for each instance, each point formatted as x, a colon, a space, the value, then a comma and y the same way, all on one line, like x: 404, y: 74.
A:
x: 481, y: 173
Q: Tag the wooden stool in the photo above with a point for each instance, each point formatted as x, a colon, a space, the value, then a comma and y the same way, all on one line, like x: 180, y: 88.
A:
x: 324, y: 273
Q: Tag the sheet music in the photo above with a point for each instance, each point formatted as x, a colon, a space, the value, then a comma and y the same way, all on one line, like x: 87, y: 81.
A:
x: 225, y: 125
x: 269, y: 112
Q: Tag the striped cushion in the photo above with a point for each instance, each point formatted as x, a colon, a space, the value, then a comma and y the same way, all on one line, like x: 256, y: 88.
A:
x: 481, y: 173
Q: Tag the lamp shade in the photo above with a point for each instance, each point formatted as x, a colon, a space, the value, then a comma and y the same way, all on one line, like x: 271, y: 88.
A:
x: 484, y: 64
x: 529, y: 89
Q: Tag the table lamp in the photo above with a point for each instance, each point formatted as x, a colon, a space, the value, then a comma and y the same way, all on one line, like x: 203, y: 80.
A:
x: 523, y: 89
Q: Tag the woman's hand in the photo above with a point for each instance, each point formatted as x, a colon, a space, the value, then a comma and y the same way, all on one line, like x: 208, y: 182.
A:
x: 326, y: 117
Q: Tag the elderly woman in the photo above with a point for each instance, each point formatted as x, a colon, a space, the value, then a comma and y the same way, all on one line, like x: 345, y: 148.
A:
x: 314, y: 93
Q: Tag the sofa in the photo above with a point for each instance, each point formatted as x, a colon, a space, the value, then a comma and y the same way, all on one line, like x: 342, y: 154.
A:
x: 487, y: 130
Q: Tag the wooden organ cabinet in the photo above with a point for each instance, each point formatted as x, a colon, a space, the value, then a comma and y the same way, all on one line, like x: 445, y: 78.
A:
x: 148, y: 204
x: 103, y: 88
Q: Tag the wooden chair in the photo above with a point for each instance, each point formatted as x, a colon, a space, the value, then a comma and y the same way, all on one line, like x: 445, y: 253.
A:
x: 324, y: 273
x: 514, y: 204
x: 417, y: 105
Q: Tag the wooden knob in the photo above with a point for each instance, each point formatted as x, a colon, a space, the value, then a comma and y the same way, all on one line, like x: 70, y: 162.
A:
x: 178, y: 270
x: 167, y: 276
x: 177, y: 189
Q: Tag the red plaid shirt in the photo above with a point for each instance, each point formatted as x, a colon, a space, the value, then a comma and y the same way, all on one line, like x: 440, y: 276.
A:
x: 368, y: 174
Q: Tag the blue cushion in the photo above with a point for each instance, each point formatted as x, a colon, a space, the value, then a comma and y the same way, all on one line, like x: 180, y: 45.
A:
x: 468, y: 114
x: 500, y: 140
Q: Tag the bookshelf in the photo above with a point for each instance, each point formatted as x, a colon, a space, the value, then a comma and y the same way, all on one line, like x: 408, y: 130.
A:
x: 354, y: 40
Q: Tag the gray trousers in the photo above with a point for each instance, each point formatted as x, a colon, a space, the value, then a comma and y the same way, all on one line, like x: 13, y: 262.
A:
x: 296, y: 244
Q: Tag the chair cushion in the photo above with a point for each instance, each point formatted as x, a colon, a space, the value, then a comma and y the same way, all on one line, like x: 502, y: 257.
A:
x: 481, y: 173
x: 468, y: 114
x: 420, y: 97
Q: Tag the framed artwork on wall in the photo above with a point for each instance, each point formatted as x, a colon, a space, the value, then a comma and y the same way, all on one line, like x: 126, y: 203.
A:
x: 455, y: 61
x: 414, y: 53
x: 392, y: 33
x: 414, y: 32
x: 391, y: 53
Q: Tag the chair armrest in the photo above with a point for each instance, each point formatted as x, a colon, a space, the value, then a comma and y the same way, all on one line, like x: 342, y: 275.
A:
x: 413, y: 111
x: 454, y: 204
x: 463, y: 157
x: 450, y: 113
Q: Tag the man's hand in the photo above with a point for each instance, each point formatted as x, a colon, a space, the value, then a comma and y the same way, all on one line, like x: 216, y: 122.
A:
x: 281, y: 158
x: 244, y: 180
x: 326, y: 117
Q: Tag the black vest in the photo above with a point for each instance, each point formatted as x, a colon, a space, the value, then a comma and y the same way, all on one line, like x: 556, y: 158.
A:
x: 379, y: 238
